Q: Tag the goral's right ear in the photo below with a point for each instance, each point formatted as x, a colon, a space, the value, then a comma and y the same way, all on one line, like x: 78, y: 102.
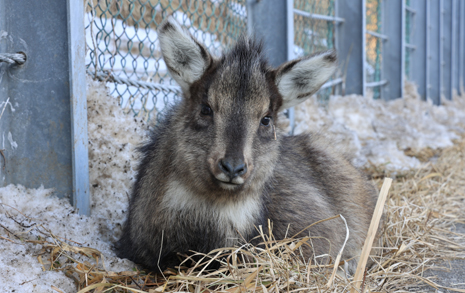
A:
x: 185, y: 57
x: 298, y: 79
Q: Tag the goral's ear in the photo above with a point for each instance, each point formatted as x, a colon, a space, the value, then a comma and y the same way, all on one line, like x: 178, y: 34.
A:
x: 184, y: 56
x: 298, y: 79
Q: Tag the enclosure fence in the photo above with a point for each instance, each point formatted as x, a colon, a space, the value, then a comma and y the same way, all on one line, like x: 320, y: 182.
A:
x: 123, y: 48
x: 382, y: 43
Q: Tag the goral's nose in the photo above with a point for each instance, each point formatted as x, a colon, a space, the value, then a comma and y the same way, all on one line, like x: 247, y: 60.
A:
x: 232, y: 168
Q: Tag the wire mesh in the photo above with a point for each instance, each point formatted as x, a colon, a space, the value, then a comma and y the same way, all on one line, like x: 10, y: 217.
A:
x: 373, y: 44
x: 123, y: 49
x: 312, y: 34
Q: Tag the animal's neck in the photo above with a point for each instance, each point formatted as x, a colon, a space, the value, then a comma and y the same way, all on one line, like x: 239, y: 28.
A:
x: 232, y: 215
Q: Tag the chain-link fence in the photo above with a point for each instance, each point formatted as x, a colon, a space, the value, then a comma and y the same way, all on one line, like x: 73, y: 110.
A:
x: 374, y: 39
x: 122, y: 45
x: 313, y: 34
x: 123, y: 49
x: 314, y: 31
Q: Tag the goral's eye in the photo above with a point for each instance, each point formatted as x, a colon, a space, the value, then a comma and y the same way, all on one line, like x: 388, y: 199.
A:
x: 206, y: 110
x: 265, y: 121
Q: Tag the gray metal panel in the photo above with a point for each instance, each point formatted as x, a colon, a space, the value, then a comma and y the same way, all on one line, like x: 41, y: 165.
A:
x: 434, y: 84
x: 428, y: 47
x: 393, y: 52
x: 290, y: 28
x: 403, y: 41
x: 418, y: 38
x: 462, y: 47
x: 446, y: 43
x: 39, y: 92
x: 454, y: 70
x: 77, y: 81
x: 350, y: 44
x: 3, y: 67
x: 290, y: 51
x: 441, y: 48
x: 267, y: 21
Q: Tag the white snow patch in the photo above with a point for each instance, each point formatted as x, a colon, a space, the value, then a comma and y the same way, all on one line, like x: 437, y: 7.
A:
x: 378, y: 132
x: 20, y: 268
x: 13, y: 143
x: 4, y: 104
x: 113, y: 137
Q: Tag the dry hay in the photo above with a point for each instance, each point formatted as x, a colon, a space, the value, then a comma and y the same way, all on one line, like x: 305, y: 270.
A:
x: 422, y: 208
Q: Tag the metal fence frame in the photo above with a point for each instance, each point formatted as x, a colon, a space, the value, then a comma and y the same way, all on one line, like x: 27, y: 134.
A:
x: 432, y: 43
x: 44, y: 126
x: 437, y: 47
x: 77, y: 77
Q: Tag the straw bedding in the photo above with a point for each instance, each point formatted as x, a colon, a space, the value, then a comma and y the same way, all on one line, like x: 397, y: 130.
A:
x: 422, y: 209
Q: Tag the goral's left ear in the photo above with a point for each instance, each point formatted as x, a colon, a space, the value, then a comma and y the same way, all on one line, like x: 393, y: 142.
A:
x: 298, y: 79
x: 186, y: 59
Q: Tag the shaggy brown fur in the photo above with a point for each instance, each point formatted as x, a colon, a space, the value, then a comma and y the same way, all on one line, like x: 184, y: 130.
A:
x: 213, y: 170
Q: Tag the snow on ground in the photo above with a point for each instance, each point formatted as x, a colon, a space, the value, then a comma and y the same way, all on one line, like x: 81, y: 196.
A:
x: 113, y: 137
x: 21, y: 270
x: 374, y: 131
x: 379, y: 132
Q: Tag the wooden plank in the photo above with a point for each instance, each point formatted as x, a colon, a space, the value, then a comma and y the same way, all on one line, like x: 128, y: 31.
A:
x: 371, y: 235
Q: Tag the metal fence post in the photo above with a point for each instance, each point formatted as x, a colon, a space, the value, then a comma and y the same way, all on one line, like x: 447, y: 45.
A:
x: 434, y: 58
x: 35, y: 129
x: 290, y: 29
x: 77, y: 82
x: 350, y: 44
x: 37, y: 134
x: 418, y: 41
x: 454, y: 69
x: 290, y: 51
x: 447, y: 50
x: 461, y: 49
x: 393, y: 49
x: 265, y: 21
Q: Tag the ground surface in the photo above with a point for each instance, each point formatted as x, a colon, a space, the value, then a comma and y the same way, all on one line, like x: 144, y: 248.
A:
x: 454, y: 275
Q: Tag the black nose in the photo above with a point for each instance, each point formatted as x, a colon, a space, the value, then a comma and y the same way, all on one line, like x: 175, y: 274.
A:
x: 232, y: 168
